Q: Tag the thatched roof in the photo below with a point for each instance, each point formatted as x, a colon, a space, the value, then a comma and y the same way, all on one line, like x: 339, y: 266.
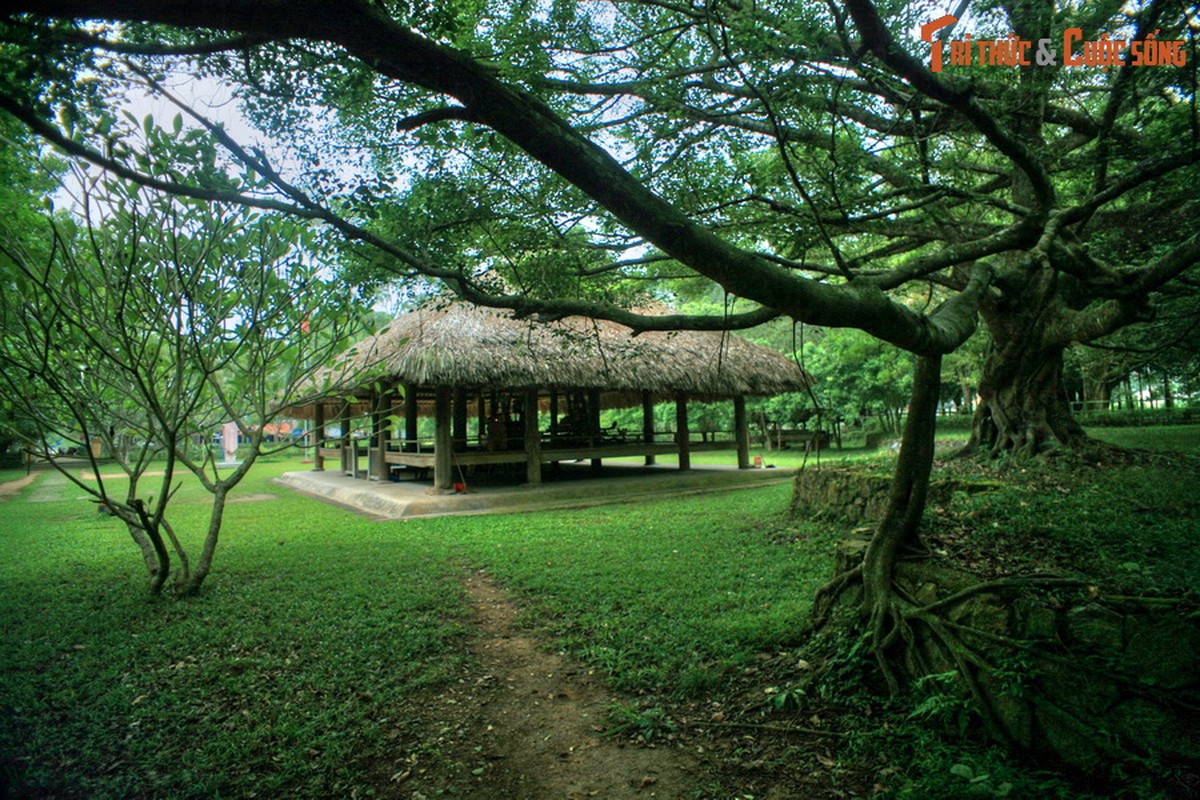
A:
x: 463, y: 346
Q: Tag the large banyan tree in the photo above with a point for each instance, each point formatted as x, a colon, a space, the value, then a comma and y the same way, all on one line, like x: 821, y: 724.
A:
x: 554, y: 158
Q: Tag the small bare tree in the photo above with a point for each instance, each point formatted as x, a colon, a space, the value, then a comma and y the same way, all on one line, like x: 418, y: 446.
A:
x: 138, y: 327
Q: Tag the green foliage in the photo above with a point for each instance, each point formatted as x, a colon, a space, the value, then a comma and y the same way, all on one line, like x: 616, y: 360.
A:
x: 935, y: 770
x: 552, y: 158
x: 939, y: 702
x: 785, y: 698
x: 1130, y: 529
x: 142, y: 323
x: 644, y: 723
x: 858, y: 374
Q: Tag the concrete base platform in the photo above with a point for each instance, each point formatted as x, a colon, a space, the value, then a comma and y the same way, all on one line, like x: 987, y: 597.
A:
x: 575, y: 486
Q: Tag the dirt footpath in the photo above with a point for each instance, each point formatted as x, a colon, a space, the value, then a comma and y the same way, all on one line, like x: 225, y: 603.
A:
x: 9, y: 488
x: 528, y: 726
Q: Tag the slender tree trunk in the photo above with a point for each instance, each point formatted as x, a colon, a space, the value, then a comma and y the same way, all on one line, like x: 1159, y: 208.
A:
x: 195, y: 579
x: 145, y: 532
x: 910, y: 485
x: 158, y: 561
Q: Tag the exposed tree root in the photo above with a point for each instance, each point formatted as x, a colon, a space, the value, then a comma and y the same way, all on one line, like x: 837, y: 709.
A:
x: 1005, y: 678
x: 828, y: 595
x: 907, y: 635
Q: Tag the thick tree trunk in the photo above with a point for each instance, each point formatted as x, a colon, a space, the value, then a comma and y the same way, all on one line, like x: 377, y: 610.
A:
x: 1099, y: 380
x: 1023, y: 407
x: 899, y: 528
x: 1097, y: 392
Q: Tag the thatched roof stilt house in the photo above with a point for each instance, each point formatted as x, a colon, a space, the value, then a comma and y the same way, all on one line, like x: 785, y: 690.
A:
x: 507, y: 391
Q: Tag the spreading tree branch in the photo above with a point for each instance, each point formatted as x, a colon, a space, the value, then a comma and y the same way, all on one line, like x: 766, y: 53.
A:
x: 368, y: 33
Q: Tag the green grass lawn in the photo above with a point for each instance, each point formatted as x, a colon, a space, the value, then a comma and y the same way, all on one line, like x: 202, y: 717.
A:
x: 1183, y: 438
x: 296, y: 669
x: 665, y: 595
x: 292, y: 671
x: 289, y: 674
x: 11, y: 474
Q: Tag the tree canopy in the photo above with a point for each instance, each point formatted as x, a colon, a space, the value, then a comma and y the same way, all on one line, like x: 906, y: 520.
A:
x: 812, y: 162
x: 558, y: 158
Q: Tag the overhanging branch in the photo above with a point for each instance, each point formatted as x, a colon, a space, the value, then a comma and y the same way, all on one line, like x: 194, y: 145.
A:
x: 394, y: 51
x: 197, y: 48
x: 51, y: 134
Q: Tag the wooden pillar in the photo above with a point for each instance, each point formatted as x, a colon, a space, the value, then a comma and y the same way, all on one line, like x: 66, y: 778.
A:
x: 648, y: 424
x: 481, y: 398
x: 377, y: 466
x: 443, y: 440
x: 682, y: 436
x: 394, y: 426
x: 410, y: 417
x: 741, y: 432
x: 345, y: 442
x: 533, y: 439
x: 460, y: 420
x: 318, y: 436
x: 554, y: 440
x: 593, y: 419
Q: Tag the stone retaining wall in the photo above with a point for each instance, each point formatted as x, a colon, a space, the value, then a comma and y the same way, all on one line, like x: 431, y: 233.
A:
x: 856, y: 497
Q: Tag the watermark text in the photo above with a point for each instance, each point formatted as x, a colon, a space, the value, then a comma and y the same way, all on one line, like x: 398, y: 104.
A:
x: 1072, y: 50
